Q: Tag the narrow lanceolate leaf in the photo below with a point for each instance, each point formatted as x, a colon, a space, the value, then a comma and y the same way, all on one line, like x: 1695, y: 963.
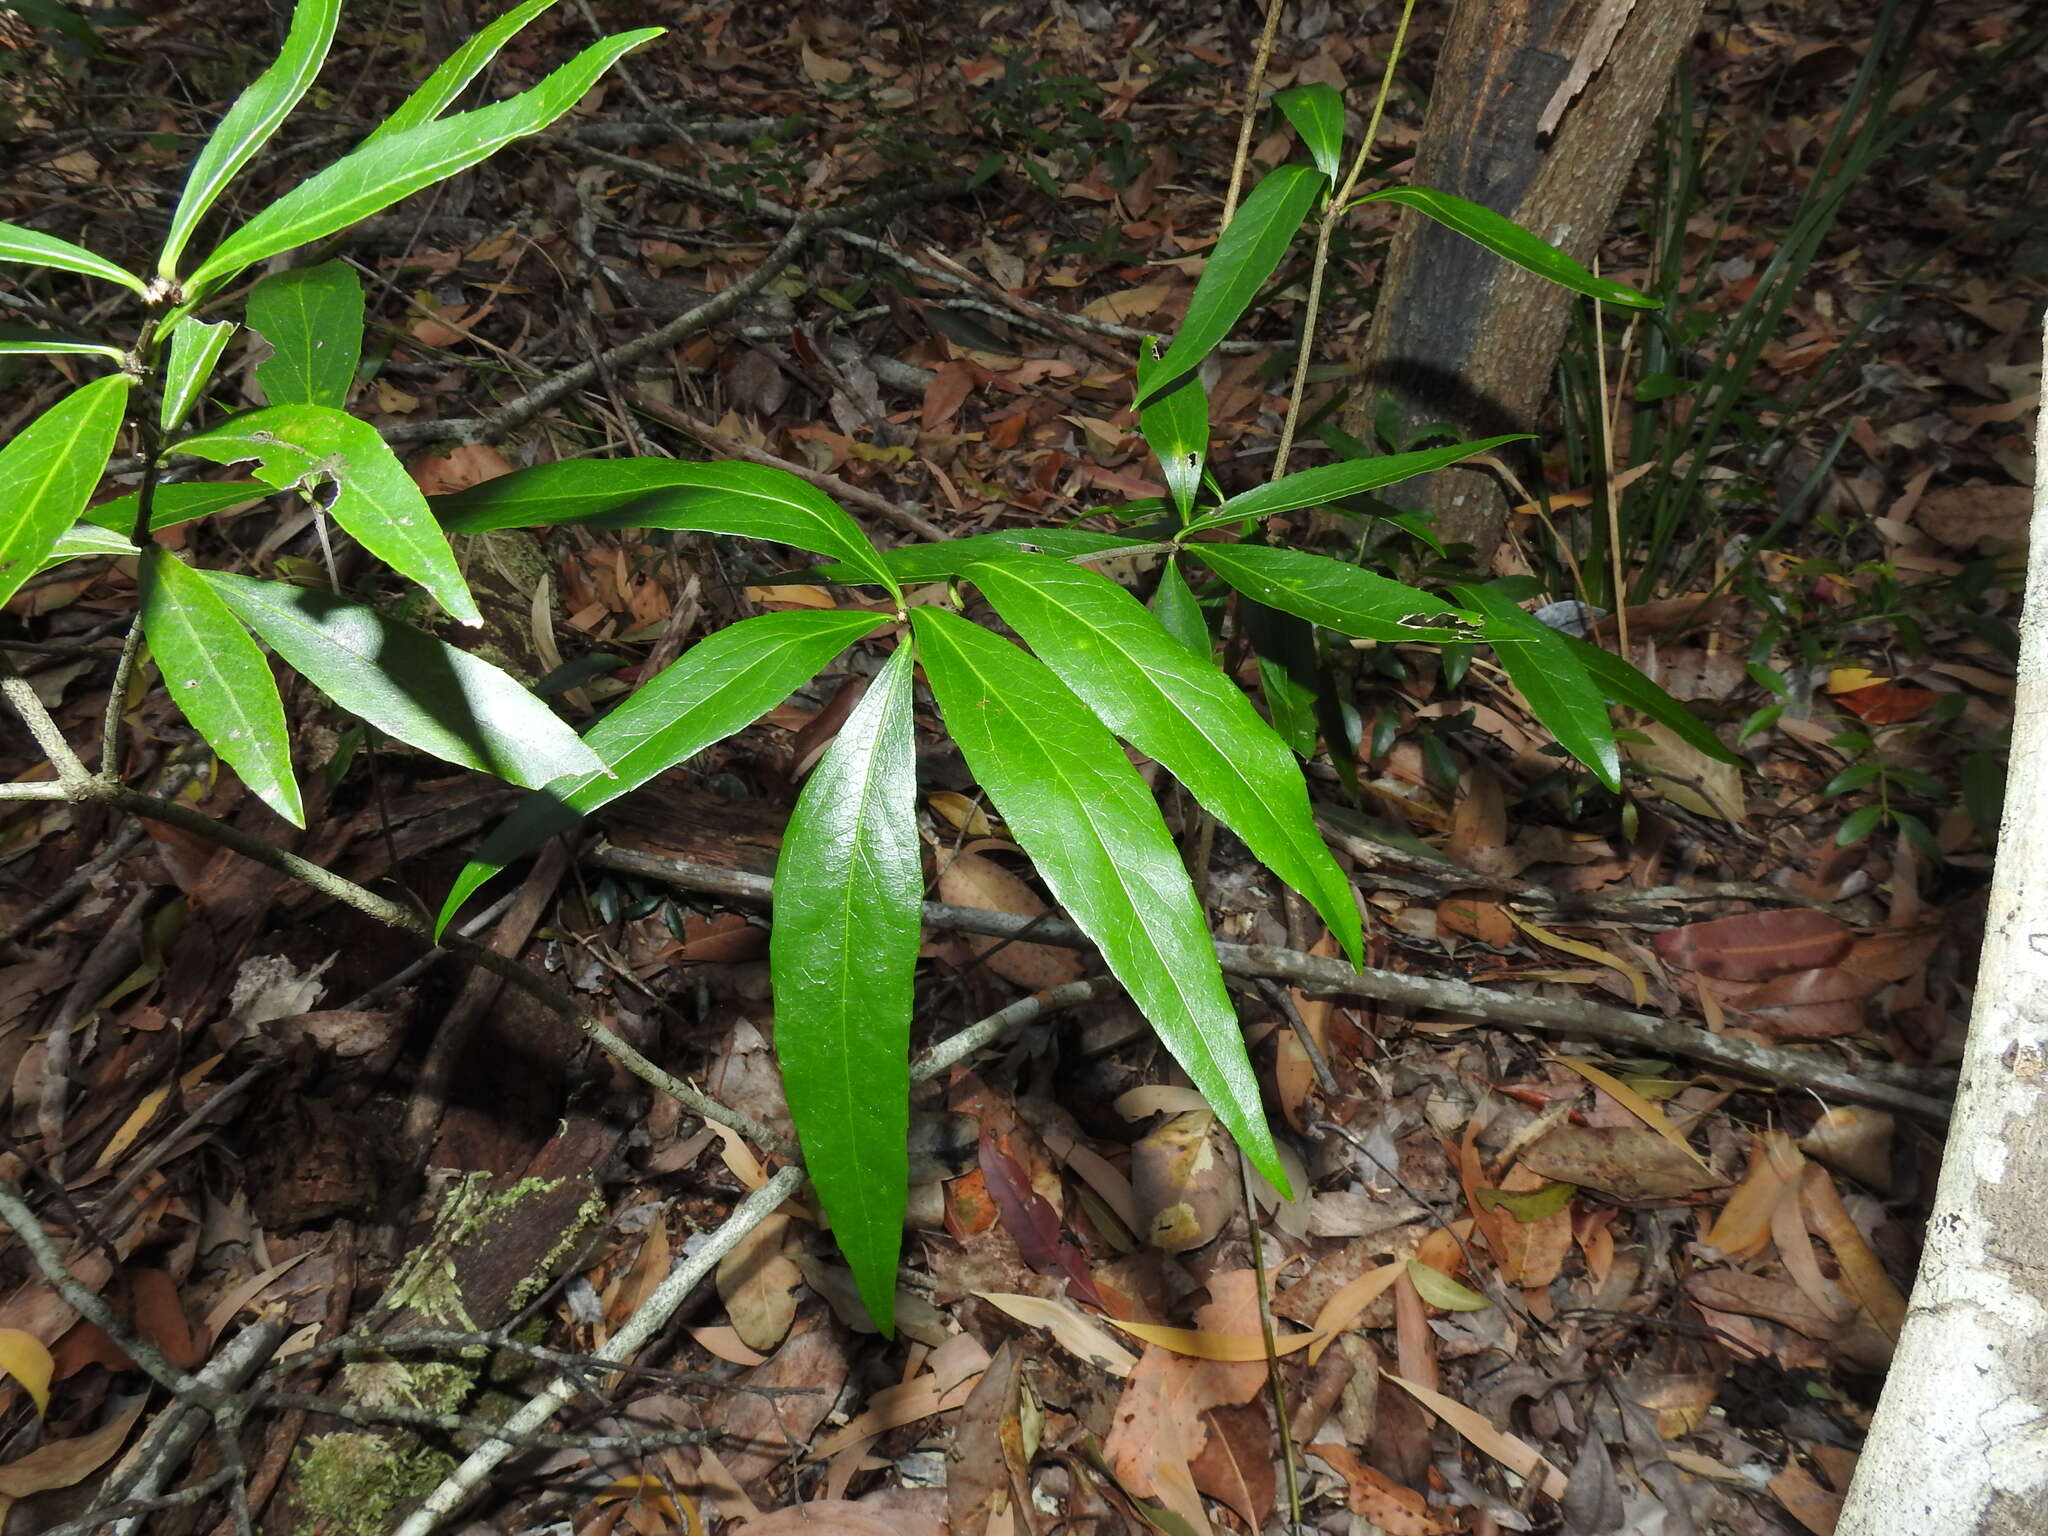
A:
x: 28, y: 341
x: 384, y: 170
x: 1623, y: 684
x: 1072, y: 798
x: 219, y: 678
x: 438, y: 92
x: 250, y: 122
x: 1333, y: 482
x: 1174, y: 605
x: 1246, y: 254
x: 719, y: 686
x: 1176, y: 428
x: 1334, y: 593
x: 313, y: 319
x: 170, y: 505
x: 1560, y: 691
x: 195, y: 348
x: 374, y: 498
x: 915, y: 564
x: 48, y: 469
x: 85, y: 540
x: 848, y: 885
x: 1505, y: 238
x: 1178, y: 709
x: 749, y: 500
x: 1317, y: 112
x: 40, y: 250
x: 410, y: 686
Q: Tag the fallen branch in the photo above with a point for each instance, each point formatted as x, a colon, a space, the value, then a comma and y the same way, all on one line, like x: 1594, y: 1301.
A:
x: 1314, y: 973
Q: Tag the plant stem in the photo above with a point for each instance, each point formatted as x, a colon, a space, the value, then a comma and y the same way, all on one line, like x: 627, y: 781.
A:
x: 1250, y: 118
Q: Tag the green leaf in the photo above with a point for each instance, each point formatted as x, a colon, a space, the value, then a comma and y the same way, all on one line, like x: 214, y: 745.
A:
x: 1174, y: 605
x: 1078, y: 807
x: 1859, y: 825
x: 1176, y: 427
x: 749, y: 500
x: 1332, y: 593
x: 916, y: 564
x: 1623, y: 684
x: 1441, y: 1291
x: 408, y: 684
x: 48, y: 469
x: 1851, y: 778
x: 1246, y: 254
x: 40, y: 250
x: 438, y: 92
x: 84, y: 541
x: 1527, y: 1205
x: 1505, y: 238
x: 195, y: 348
x: 1178, y: 709
x: 1290, y: 668
x: 720, y: 685
x: 843, y: 953
x: 1333, y: 482
x: 28, y: 341
x: 1317, y: 112
x: 174, y: 504
x: 1560, y: 691
x: 381, y: 172
x: 374, y: 498
x: 250, y: 122
x: 218, y: 677
x: 1984, y: 791
x: 313, y: 318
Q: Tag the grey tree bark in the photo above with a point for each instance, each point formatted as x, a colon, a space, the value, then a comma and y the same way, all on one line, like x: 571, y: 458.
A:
x: 1960, y: 1441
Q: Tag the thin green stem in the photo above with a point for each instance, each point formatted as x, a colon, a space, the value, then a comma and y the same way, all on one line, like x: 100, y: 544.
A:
x: 1325, y: 230
x: 1250, y: 116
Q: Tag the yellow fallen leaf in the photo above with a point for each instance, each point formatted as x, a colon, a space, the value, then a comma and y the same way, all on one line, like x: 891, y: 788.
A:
x: 1511, y: 1451
x: 1202, y: 1345
x: 1631, y: 1101
x: 23, y: 1357
x: 1072, y: 1329
x: 1347, y: 1305
x: 1773, y: 1173
x: 1584, y: 951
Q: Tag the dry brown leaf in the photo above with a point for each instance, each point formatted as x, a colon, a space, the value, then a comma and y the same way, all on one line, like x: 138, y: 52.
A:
x: 1184, y: 1179
x: 1855, y: 1141
x: 1531, y: 1252
x: 758, y: 1281
x: 969, y: 880
x: 1756, y: 946
x: 61, y: 1463
x: 1628, y: 1162
x: 1395, y: 1509
x: 1235, y: 1465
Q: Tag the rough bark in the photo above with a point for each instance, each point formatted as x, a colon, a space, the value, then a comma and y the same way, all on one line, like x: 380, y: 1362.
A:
x: 1461, y: 336
x: 1960, y: 1442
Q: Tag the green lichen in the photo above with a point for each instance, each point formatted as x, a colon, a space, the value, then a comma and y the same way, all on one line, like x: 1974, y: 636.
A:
x: 351, y: 1484
x: 587, y: 1215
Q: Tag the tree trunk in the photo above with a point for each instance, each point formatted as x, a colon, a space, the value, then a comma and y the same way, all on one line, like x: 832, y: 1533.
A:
x: 1960, y: 1442
x: 1461, y: 336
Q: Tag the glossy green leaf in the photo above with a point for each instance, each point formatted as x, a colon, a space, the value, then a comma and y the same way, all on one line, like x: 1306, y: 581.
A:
x: 749, y: 500
x: 1246, y: 254
x: 1334, y: 593
x: 1078, y: 807
x: 250, y: 122
x: 916, y: 564
x: 1333, y: 482
x: 1290, y: 668
x: 1441, y: 1291
x: 174, y: 504
x: 36, y: 249
x: 1174, y: 605
x: 373, y: 497
x: 196, y: 347
x: 1176, y: 428
x: 1178, y: 709
x: 409, y: 685
x: 1859, y: 825
x: 1505, y: 238
x: 720, y: 685
x: 1625, y: 685
x: 438, y: 92
x: 1559, y: 690
x: 843, y: 953
x: 1317, y: 112
x: 313, y: 319
x: 84, y: 541
x: 28, y: 341
x: 384, y: 170
x: 219, y: 678
x: 48, y: 469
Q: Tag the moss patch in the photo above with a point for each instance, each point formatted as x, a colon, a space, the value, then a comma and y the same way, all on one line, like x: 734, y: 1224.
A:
x: 352, y: 1484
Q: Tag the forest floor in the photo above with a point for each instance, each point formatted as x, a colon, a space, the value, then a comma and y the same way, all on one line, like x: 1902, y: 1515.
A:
x: 1532, y: 1280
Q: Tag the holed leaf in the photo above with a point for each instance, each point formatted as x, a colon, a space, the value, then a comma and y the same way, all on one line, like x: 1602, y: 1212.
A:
x: 1333, y: 593
x: 848, y: 886
x: 1560, y: 691
x: 1073, y: 800
x: 1176, y: 428
x: 313, y: 319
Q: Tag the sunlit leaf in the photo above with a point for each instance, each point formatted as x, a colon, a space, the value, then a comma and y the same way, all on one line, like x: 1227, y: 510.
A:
x: 313, y: 319
x: 48, y: 469
x: 174, y: 504
x: 1334, y: 593
x: 1440, y: 1290
x: 1317, y: 112
x: 195, y: 347
x: 29, y: 341
x: 1333, y: 482
x: 37, y: 249
x: 848, y: 886
x: 438, y: 92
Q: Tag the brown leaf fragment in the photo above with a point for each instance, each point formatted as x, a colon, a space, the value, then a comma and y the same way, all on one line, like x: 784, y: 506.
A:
x: 973, y: 880
x: 758, y: 1281
x: 1185, y: 1182
x: 1733, y: 1290
x: 990, y: 1470
x: 1856, y: 1141
x: 1395, y: 1509
x: 1235, y: 1464
x: 1627, y: 1162
x: 1805, y: 1500
x: 1757, y: 945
